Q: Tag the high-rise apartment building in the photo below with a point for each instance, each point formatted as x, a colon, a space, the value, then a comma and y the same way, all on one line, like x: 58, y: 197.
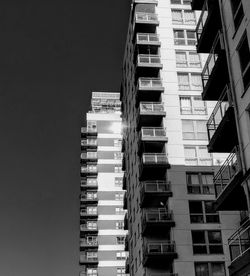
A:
x: 102, y: 236
x: 223, y: 32
x: 173, y: 227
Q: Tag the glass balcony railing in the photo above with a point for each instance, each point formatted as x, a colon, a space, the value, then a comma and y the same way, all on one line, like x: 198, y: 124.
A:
x: 151, y: 132
x: 89, y: 227
x: 227, y: 172
x: 89, y: 169
x: 150, y: 83
x: 89, y: 155
x: 151, y: 108
x: 159, y: 248
x: 239, y: 242
x: 155, y: 186
x: 141, y: 17
x: 154, y: 158
x: 89, y: 142
x: 202, y: 20
x: 92, y: 183
x: 160, y: 216
x: 147, y: 38
x: 91, y: 196
x: 89, y: 259
x: 88, y: 242
x: 149, y: 60
x: 218, y: 113
x: 90, y: 212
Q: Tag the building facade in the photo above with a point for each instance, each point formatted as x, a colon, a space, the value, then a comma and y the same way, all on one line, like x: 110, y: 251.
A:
x: 173, y: 227
x: 223, y: 32
x: 102, y: 236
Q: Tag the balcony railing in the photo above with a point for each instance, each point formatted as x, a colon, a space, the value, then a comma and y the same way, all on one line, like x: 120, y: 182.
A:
x: 90, y: 197
x: 89, y: 142
x: 155, y: 186
x: 160, y: 216
x: 159, y: 248
x: 153, y: 133
x: 87, y: 259
x: 87, y: 212
x: 89, y: 169
x: 219, y: 111
x: 147, y: 38
x: 212, y: 58
x: 239, y: 242
x: 149, y: 60
x: 88, y: 184
x: 88, y: 130
x: 86, y: 242
x: 150, y: 84
x: 151, y: 108
x: 227, y: 172
x: 141, y: 17
x: 154, y: 158
x: 202, y: 20
x: 86, y: 227
x: 89, y: 155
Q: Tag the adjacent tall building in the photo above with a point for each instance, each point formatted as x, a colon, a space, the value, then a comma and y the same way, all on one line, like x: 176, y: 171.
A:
x: 223, y: 31
x: 173, y: 226
x: 102, y: 236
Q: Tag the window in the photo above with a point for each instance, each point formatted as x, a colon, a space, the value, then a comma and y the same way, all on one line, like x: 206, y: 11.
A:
x: 238, y: 12
x: 119, y: 196
x: 203, y: 212
x: 91, y: 272
x: 120, y: 271
x: 194, y: 130
x: 118, y: 168
x: 207, y: 242
x: 244, y: 56
x: 117, y: 143
x: 92, y: 210
x: 197, y: 155
x: 91, y: 255
x: 192, y: 105
x: 189, y: 81
x: 91, y: 126
x: 91, y: 240
x: 91, y: 195
x: 118, y: 181
x: 200, y: 183
x: 183, y: 17
x: 121, y: 255
x: 120, y: 240
x: 91, y: 225
x: 119, y: 225
x: 184, y: 37
x: 117, y: 155
x: 92, y: 181
x: 119, y: 211
x: 181, y: 2
x: 209, y: 269
x: 187, y: 59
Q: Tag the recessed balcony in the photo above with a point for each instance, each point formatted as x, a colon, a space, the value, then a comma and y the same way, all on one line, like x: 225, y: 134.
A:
x: 153, y: 166
x: 208, y: 25
x: 148, y: 65
x: 124, y: 162
x: 125, y: 204
x: 89, y: 156
x: 88, y: 198
x: 124, y: 181
x: 126, y: 221
x: 89, y: 227
x: 197, y: 4
x: 145, y: 22
x: 239, y: 246
x: 126, y: 247
x: 154, y: 192
x: 89, y: 170
x: 86, y: 243
x: 149, y: 89
x: 158, y: 254
x: 150, y: 114
x: 228, y: 190
x: 88, y: 131
x: 89, y: 258
x: 89, y: 184
x: 157, y: 221
x: 127, y: 265
x: 89, y: 212
x: 221, y: 126
x: 89, y: 143
x: 215, y: 73
x: 147, y: 42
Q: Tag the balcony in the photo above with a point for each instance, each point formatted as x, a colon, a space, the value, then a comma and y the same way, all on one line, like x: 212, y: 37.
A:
x: 154, y: 192
x: 89, y: 143
x: 150, y: 114
x: 90, y: 227
x: 86, y: 198
x: 125, y: 204
x: 88, y: 260
x: 221, y: 126
x: 88, y: 131
x: 89, y: 184
x: 153, y: 166
x: 89, y: 156
x: 126, y: 247
x: 145, y: 22
x: 215, y: 73
x: 86, y: 243
x: 152, y: 139
x: 157, y: 221
x: 149, y: 89
x: 208, y: 25
x: 127, y: 265
x: 89, y: 213
x: 89, y: 170
x: 158, y: 254
x: 239, y: 246
x: 148, y: 65
x: 126, y: 221
x: 227, y: 181
x: 197, y: 4
x: 124, y: 182
x: 148, y: 39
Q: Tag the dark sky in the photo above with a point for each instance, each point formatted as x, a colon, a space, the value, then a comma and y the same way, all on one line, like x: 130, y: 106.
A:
x: 52, y: 54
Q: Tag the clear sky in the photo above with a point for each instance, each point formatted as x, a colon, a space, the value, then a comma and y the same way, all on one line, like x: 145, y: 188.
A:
x: 52, y: 54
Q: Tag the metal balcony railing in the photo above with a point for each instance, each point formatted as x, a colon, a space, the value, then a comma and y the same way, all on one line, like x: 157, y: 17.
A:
x: 212, y: 58
x: 147, y: 38
x: 154, y: 158
x: 219, y: 111
x: 153, y: 132
x: 142, y: 17
x: 239, y: 242
x: 202, y: 20
x: 159, y: 248
x: 157, y: 216
x: 155, y: 186
x: 151, y: 108
x: 230, y: 168
x: 150, y: 83
x: 148, y: 60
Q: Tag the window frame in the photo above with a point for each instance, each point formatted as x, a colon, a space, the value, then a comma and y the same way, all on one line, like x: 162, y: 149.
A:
x: 201, y: 185
x: 187, y: 41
